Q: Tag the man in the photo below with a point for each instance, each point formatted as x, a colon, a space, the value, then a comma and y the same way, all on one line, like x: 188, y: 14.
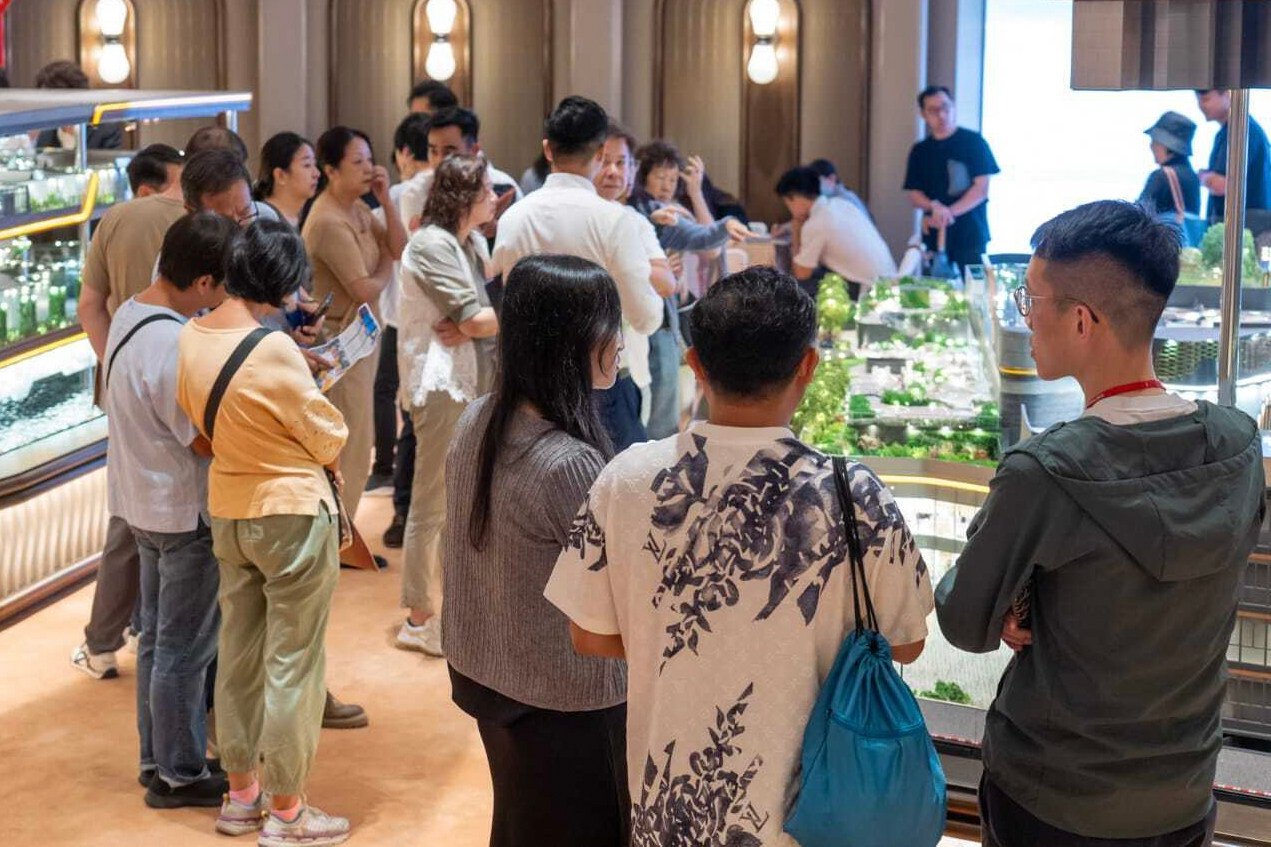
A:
x: 716, y: 563
x: 395, y: 453
x: 220, y: 138
x: 831, y: 186
x: 64, y: 74
x: 157, y: 483
x: 120, y: 264
x: 430, y: 96
x: 454, y: 130
x: 1122, y: 536
x: 948, y: 179
x: 154, y: 170
x: 216, y: 181
x: 831, y: 234
x: 1215, y: 104
x: 567, y: 216
x: 655, y: 368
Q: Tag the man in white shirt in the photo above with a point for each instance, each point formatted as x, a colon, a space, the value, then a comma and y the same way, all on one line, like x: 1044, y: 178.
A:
x: 567, y: 216
x: 453, y: 130
x: 831, y: 235
x: 157, y: 483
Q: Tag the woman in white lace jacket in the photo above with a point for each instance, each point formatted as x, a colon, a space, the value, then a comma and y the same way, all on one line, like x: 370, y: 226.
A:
x: 446, y: 345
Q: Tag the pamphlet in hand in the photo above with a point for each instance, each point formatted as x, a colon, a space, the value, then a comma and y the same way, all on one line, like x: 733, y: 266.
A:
x: 355, y: 343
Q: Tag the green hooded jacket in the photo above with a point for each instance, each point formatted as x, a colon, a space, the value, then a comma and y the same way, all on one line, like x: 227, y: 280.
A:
x: 1134, y: 539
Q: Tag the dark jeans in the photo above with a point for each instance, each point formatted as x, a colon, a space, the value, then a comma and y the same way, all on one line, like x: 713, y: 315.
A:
x: 404, y: 467
x: 619, y: 409
x: 560, y: 778
x: 180, y: 620
x: 115, y: 595
x: 386, y: 421
x: 1005, y: 823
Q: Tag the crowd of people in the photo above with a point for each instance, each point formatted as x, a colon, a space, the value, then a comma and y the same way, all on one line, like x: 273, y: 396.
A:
x: 636, y: 610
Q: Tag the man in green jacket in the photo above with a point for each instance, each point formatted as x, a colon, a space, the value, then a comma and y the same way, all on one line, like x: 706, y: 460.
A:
x: 1128, y: 530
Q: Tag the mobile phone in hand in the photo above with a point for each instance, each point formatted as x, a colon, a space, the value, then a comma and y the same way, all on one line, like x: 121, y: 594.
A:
x: 311, y: 318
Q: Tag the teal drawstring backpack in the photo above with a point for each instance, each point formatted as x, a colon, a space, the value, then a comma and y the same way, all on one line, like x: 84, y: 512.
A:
x: 870, y: 774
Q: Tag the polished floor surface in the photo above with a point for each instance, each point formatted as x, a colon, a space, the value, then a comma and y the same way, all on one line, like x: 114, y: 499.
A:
x: 415, y: 776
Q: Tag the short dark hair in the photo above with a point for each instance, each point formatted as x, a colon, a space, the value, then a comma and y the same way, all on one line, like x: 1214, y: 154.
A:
x: 466, y: 119
x: 267, y: 264
x: 438, y: 94
x: 655, y: 154
x: 197, y: 245
x: 1115, y: 257
x: 1202, y: 91
x: 412, y: 134
x: 150, y: 166
x: 931, y: 91
x: 751, y: 329
x: 61, y: 74
x: 823, y: 167
x: 211, y: 172
x: 801, y: 181
x: 216, y: 138
x: 576, y: 128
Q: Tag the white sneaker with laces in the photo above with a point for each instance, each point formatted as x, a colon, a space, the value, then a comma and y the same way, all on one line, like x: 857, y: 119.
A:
x: 311, y: 828
x: 241, y: 818
x: 96, y: 665
x: 426, y: 638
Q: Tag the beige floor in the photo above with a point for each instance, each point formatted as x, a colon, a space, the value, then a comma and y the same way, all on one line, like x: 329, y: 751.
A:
x: 415, y: 776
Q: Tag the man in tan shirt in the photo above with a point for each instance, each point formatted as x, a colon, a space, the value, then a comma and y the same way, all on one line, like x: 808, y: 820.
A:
x: 121, y: 262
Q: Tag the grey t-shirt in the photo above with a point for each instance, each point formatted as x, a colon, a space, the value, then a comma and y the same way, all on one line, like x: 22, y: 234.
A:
x: 154, y: 480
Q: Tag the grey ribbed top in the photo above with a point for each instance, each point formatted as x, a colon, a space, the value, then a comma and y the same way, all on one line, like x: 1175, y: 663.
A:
x: 498, y: 629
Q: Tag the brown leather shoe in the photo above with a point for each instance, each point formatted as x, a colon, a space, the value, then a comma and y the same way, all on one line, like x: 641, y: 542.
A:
x: 337, y: 715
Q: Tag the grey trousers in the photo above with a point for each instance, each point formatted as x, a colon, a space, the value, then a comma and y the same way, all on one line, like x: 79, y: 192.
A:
x: 118, y: 583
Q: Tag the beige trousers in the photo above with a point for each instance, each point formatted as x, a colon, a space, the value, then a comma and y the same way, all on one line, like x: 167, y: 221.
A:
x: 354, y: 396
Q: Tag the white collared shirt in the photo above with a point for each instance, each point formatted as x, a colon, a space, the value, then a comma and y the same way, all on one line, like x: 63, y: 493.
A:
x: 567, y: 216
x: 841, y: 237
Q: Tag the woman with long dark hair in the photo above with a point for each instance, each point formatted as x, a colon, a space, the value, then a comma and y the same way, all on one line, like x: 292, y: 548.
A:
x: 288, y: 176
x: 520, y: 465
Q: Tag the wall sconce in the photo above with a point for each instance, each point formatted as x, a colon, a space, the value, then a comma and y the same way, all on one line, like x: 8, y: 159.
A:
x: 764, y: 17
x: 441, y: 39
x: 107, y: 36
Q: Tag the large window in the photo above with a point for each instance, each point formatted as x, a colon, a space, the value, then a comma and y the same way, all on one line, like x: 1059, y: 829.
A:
x: 1057, y: 147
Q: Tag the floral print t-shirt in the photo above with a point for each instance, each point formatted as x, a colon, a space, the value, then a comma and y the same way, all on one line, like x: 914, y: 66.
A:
x: 720, y: 557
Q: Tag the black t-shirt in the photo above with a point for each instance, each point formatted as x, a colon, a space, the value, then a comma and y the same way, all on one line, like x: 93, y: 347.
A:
x: 944, y: 171
x: 1157, y: 196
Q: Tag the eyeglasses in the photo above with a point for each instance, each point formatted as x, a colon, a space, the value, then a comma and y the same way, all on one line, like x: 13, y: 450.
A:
x: 1024, y: 301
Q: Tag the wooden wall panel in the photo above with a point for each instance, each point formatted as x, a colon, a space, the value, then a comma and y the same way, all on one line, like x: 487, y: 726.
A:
x: 835, y: 101
x: 371, y: 67
x: 39, y: 32
x: 179, y: 47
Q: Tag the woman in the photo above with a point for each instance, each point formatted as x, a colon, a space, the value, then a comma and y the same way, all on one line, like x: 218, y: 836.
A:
x: 288, y: 176
x: 276, y: 536
x: 519, y: 468
x: 352, y: 255
x: 1172, y: 191
x: 446, y: 344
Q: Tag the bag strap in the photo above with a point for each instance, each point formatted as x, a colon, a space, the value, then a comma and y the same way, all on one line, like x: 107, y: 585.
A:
x: 231, y: 366
x: 110, y: 365
x: 855, y: 552
x: 1176, y: 192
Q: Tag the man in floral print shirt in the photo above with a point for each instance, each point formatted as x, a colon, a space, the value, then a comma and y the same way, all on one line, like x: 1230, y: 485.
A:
x: 716, y: 562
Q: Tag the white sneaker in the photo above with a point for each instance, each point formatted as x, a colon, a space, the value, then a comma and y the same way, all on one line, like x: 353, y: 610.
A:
x: 96, y: 665
x: 313, y: 828
x: 426, y: 638
x: 239, y: 818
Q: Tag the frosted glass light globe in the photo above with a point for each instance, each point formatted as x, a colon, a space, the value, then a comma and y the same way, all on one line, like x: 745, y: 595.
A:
x: 441, y: 16
x: 111, y: 17
x: 764, y: 16
x: 762, y: 67
x: 440, y: 64
x: 112, y: 64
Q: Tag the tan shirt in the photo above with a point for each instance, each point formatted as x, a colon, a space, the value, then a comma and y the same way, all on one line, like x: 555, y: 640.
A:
x: 125, y: 246
x: 275, y: 431
x: 343, y: 248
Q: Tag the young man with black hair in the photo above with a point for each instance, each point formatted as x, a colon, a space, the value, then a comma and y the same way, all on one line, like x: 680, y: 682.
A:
x: 430, y: 96
x: 716, y: 562
x: 831, y: 234
x: 947, y: 177
x: 156, y: 473
x: 1128, y: 531
x: 1215, y: 105
x: 567, y: 216
x: 832, y: 186
x: 154, y: 169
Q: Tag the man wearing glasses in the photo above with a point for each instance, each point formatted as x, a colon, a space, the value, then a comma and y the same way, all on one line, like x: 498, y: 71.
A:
x: 1107, y: 556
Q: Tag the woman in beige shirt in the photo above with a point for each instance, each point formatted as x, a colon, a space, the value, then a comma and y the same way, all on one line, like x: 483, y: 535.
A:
x: 276, y: 536
x: 352, y: 255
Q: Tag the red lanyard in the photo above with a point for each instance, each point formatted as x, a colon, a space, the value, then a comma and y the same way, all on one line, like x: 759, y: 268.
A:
x: 1142, y: 385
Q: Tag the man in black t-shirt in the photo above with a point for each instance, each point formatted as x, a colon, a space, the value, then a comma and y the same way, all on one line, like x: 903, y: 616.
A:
x: 1215, y: 104
x: 948, y: 178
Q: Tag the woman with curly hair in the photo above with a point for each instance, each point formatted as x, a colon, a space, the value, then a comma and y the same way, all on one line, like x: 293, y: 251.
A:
x: 446, y: 360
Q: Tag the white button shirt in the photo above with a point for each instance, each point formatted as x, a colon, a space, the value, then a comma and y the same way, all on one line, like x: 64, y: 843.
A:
x: 567, y: 216
x: 841, y: 237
